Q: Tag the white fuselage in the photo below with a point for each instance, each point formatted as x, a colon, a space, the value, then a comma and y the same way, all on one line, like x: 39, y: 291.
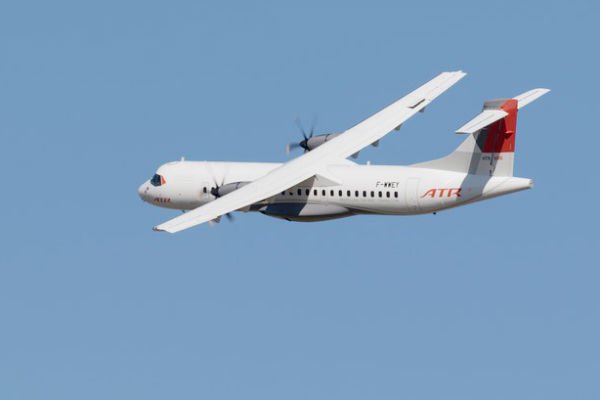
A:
x: 342, y: 190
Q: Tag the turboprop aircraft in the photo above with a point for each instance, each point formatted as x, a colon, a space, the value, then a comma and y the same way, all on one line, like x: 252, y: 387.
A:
x: 324, y: 184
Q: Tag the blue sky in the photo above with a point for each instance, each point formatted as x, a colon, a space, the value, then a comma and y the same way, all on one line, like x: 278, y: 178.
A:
x: 495, y: 300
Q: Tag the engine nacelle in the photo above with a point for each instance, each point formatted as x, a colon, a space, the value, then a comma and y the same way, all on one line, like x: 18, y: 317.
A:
x: 312, y: 142
x: 315, y: 141
x: 228, y: 188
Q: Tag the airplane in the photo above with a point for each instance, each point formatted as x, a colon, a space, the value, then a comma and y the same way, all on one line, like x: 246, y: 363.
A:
x: 323, y: 184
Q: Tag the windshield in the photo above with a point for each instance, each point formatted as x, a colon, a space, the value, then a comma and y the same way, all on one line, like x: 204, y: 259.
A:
x: 157, y: 180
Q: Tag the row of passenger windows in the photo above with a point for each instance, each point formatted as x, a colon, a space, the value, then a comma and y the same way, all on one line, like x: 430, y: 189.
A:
x: 340, y: 193
x: 332, y: 193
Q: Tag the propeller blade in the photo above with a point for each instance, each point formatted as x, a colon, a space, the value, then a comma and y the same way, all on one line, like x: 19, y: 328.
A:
x: 301, y: 127
x: 313, y: 126
x: 303, y: 143
x: 291, y: 146
x: 215, y: 189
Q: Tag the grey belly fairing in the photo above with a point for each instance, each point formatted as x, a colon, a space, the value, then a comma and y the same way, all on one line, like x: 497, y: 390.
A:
x: 303, y: 212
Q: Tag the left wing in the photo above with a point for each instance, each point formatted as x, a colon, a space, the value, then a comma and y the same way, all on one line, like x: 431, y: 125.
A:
x: 301, y: 168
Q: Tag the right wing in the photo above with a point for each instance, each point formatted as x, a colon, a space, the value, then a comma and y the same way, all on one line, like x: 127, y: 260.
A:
x: 309, y: 164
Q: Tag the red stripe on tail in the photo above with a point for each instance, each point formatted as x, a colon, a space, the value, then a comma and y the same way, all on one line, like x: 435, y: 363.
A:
x: 501, y: 134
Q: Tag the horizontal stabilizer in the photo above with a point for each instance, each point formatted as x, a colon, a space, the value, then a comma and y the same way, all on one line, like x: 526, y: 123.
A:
x: 492, y: 110
x: 530, y: 96
x: 484, y: 119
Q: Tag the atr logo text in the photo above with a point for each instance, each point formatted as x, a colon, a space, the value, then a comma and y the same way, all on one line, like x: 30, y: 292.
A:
x: 451, y: 192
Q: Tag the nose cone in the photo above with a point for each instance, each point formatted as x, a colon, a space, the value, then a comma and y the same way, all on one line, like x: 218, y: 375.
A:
x: 143, y: 191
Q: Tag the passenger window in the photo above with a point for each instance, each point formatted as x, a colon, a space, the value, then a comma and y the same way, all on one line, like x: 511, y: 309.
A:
x: 323, y: 192
x: 396, y: 194
x: 364, y: 193
x: 387, y: 194
x: 356, y: 193
x: 315, y: 192
x: 307, y: 191
x: 348, y: 193
x: 380, y: 194
x: 372, y: 193
x: 299, y: 192
x: 331, y: 193
x: 204, y: 190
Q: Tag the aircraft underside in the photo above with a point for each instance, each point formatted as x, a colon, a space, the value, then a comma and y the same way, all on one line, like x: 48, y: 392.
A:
x: 304, y: 212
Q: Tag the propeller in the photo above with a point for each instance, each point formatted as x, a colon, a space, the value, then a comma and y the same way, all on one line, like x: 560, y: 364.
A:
x: 215, y: 192
x: 303, y: 143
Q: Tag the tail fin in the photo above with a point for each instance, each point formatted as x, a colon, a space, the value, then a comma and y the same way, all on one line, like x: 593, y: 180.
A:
x: 490, y: 147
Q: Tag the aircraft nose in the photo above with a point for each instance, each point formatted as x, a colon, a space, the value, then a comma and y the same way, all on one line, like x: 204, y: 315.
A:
x: 143, y: 191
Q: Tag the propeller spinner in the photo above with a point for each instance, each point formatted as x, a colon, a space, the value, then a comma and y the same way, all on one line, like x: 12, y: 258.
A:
x: 304, y: 144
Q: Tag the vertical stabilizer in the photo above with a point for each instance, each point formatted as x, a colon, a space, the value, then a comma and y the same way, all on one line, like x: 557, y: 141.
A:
x: 490, y: 147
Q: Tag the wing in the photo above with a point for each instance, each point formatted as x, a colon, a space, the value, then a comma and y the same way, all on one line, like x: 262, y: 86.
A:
x: 301, y: 168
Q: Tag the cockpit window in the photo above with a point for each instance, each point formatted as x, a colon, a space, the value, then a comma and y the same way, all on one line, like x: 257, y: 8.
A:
x: 157, y: 180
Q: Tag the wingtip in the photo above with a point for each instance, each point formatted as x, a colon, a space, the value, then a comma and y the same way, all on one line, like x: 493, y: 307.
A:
x: 455, y: 75
x: 157, y: 228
